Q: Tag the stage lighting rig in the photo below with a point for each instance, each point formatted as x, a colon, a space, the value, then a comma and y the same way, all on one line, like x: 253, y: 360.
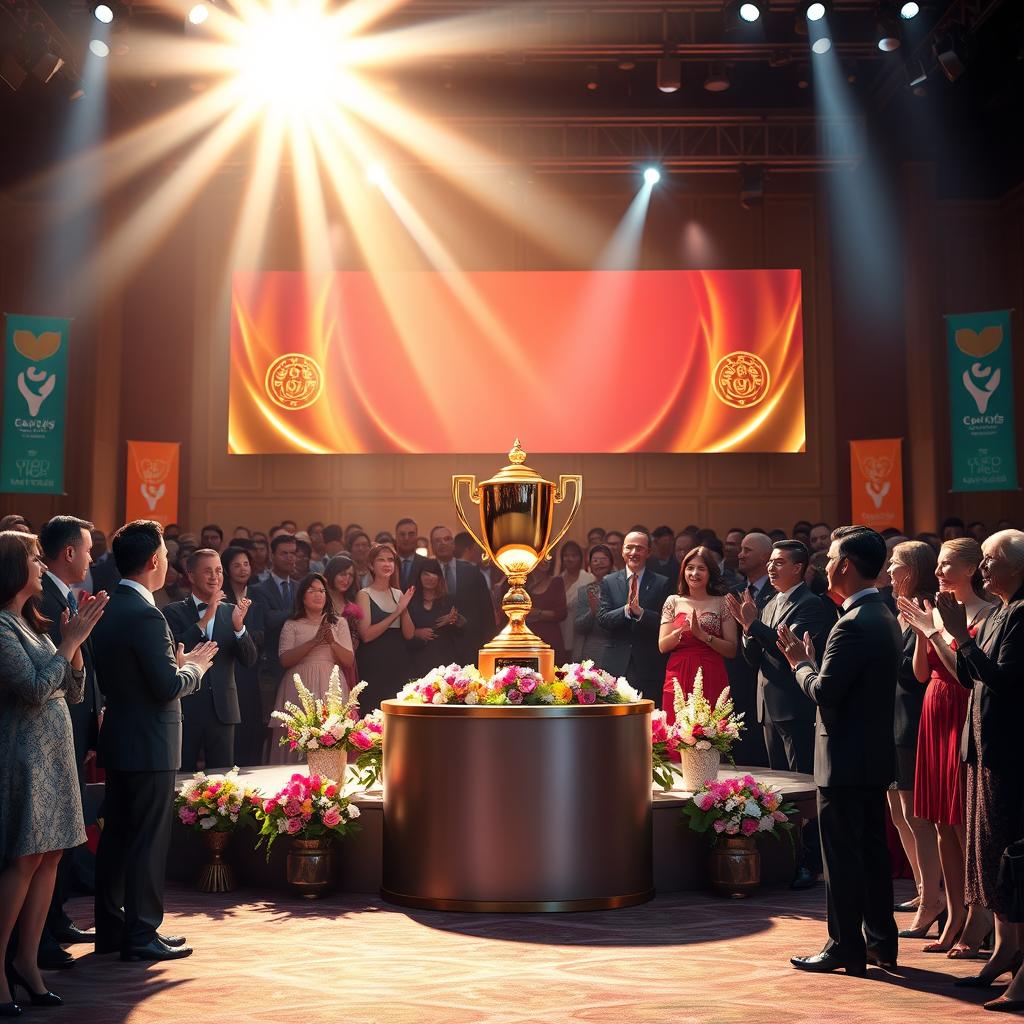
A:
x: 950, y: 51
x: 104, y: 12
x: 909, y: 9
x: 718, y: 79
x: 670, y: 74
x: 98, y: 48
x: 745, y: 12
x: 821, y: 45
x: 751, y: 186
x: 651, y: 176
x: 887, y: 29
x: 815, y: 10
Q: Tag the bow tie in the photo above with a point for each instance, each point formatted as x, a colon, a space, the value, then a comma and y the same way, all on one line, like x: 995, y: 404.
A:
x: 201, y: 608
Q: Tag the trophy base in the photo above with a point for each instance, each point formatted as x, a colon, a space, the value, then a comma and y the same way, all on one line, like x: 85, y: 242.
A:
x: 536, y: 656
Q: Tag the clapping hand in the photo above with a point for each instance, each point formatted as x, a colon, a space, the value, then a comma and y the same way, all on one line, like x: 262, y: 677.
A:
x: 696, y: 628
x: 450, y: 619
x: 794, y: 649
x: 211, y: 610
x: 325, y: 634
x: 75, y: 629
x: 201, y: 656
x: 238, y: 615
x: 953, y: 615
x: 743, y: 611
x: 403, y: 601
x: 917, y: 615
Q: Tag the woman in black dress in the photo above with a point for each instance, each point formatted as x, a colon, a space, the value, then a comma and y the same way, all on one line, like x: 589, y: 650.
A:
x: 436, y: 619
x: 384, y: 629
x: 991, y: 665
x: 251, y: 732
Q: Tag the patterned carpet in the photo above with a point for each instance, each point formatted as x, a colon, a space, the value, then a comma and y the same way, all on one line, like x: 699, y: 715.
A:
x: 688, y: 959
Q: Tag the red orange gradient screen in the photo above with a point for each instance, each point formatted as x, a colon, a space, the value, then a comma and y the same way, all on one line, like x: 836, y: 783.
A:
x: 589, y: 361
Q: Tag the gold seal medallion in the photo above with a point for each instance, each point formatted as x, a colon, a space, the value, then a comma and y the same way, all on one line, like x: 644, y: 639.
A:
x: 294, y: 381
x: 741, y: 379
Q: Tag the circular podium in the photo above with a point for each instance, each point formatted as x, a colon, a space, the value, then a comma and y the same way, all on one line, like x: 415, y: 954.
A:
x: 517, y: 808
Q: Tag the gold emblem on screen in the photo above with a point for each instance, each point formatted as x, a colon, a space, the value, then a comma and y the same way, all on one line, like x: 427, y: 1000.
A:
x: 741, y: 379
x: 294, y: 381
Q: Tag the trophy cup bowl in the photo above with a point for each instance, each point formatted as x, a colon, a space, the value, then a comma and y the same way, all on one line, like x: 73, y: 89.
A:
x: 516, y: 519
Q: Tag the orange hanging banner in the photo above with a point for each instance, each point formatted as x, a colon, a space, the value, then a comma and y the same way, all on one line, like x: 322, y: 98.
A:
x: 152, y: 481
x: 876, y: 483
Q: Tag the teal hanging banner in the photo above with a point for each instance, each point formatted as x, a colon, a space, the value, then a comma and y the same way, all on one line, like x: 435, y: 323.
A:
x: 981, y: 402
x: 35, y: 392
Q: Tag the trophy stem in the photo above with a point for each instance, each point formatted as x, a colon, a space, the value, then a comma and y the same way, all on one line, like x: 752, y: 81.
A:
x: 517, y: 644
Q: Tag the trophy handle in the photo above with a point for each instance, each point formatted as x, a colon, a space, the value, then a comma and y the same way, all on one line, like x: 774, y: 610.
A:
x: 474, y: 496
x: 563, y: 480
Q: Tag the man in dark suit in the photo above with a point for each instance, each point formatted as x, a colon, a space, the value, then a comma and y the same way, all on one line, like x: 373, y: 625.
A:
x: 663, y: 559
x: 211, y: 714
x: 630, y: 610
x: 468, y: 589
x: 783, y: 709
x: 276, y: 598
x: 142, y: 677
x: 66, y: 543
x: 854, y: 759
x: 103, y: 574
x: 406, y: 536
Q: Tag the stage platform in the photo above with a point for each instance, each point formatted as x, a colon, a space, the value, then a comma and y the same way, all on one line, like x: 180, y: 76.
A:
x: 679, y: 855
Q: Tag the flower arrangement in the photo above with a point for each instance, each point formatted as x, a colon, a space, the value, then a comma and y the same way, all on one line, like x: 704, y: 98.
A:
x: 662, y: 769
x: 514, y: 685
x: 308, y: 807
x: 366, y: 739
x: 740, y: 807
x: 700, y: 726
x: 217, y: 803
x: 319, y: 723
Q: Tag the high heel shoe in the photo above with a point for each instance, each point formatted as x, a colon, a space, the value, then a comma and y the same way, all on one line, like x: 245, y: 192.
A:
x: 36, y: 998
x: 11, y: 1009
x: 922, y: 930
x: 986, y: 979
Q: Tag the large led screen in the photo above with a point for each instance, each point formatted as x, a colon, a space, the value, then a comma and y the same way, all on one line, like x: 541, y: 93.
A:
x: 595, y: 361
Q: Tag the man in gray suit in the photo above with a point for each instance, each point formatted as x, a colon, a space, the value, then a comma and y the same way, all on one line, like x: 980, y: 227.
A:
x: 630, y: 611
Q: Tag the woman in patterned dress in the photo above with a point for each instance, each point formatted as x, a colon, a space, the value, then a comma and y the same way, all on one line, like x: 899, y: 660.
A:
x: 40, y: 802
x: 697, y: 629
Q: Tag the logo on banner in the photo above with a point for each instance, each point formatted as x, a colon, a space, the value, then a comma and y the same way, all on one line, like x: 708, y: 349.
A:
x: 154, y: 474
x: 35, y: 385
x: 980, y: 380
x: 294, y: 381
x: 875, y: 470
x: 741, y: 379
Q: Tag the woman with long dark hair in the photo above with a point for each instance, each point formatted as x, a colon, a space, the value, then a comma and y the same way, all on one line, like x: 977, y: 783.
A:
x: 697, y: 630
x: 435, y: 618
x: 314, y: 641
x: 343, y: 586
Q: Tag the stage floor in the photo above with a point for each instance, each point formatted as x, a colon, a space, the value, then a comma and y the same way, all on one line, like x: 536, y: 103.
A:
x: 679, y: 855
x: 680, y: 959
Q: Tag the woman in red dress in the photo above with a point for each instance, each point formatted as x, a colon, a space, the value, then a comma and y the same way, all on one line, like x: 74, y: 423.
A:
x: 697, y: 629
x: 939, y: 774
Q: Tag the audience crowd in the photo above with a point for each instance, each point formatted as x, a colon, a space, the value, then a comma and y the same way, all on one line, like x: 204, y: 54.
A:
x: 160, y: 649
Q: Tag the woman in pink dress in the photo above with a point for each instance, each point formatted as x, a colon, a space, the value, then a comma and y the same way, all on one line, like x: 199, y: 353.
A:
x: 313, y: 642
x: 697, y: 630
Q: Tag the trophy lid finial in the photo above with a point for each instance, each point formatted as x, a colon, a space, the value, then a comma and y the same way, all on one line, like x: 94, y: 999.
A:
x: 517, y: 456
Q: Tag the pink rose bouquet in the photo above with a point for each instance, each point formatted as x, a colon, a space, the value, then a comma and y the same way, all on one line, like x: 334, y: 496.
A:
x: 661, y: 764
x: 367, y: 740
x: 217, y: 803
x: 308, y: 807
x: 740, y: 807
x: 592, y: 685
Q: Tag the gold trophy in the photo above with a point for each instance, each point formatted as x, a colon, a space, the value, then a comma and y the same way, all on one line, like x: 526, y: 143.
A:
x: 516, y: 515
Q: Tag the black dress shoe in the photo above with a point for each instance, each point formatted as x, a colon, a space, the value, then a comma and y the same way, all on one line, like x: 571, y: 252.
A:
x: 155, y: 950
x: 72, y: 934
x: 803, y: 879
x: 11, y: 1009
x: 53, y: 958
x: 825, y: 962
x: 14, y: 980
x: 174, y: 941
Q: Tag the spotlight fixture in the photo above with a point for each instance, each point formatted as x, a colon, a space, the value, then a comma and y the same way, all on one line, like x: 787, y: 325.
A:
x: 887, y: 29
x: 751, y: 186
x: 803, y: 76
x: 815, y: 10
x: 103, y: 12
x: 751, y: 11
x: 198, y: 13
x: 670, y: 74
x: 46, y: 66
x: 651, y: 176
x: 822, y: 45
x: 917, y: 73
x: 909, y: 9
x: 718, y: 79
x: 950, y: 52
x: 98, y: 48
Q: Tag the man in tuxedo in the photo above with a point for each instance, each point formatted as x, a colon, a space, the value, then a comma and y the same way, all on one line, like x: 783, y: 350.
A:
x: 66, y: 543
x: 276, y: 598
x: 630, y: 610
x: 783, y: 709
x: 143, y: 678
x: 211, y: 714
x: 406, y: 537
x: 854, y: 759
x: 468, y: 589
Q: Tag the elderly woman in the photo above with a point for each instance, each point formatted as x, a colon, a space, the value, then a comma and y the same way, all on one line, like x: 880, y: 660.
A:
x: 991, y: 665
x: 40, y: 802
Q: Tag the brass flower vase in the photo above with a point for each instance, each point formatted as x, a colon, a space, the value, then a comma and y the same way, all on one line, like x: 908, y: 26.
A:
x: 734, y: 869
x: 216, y: 876
x: 308, y: 867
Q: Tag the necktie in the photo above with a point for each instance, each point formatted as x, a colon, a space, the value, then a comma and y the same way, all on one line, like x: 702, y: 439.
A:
x: 634, y: 585
x: 72, y: 604
x: 751, y: 591
x: 449, y: 577
x: 286, y: 591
